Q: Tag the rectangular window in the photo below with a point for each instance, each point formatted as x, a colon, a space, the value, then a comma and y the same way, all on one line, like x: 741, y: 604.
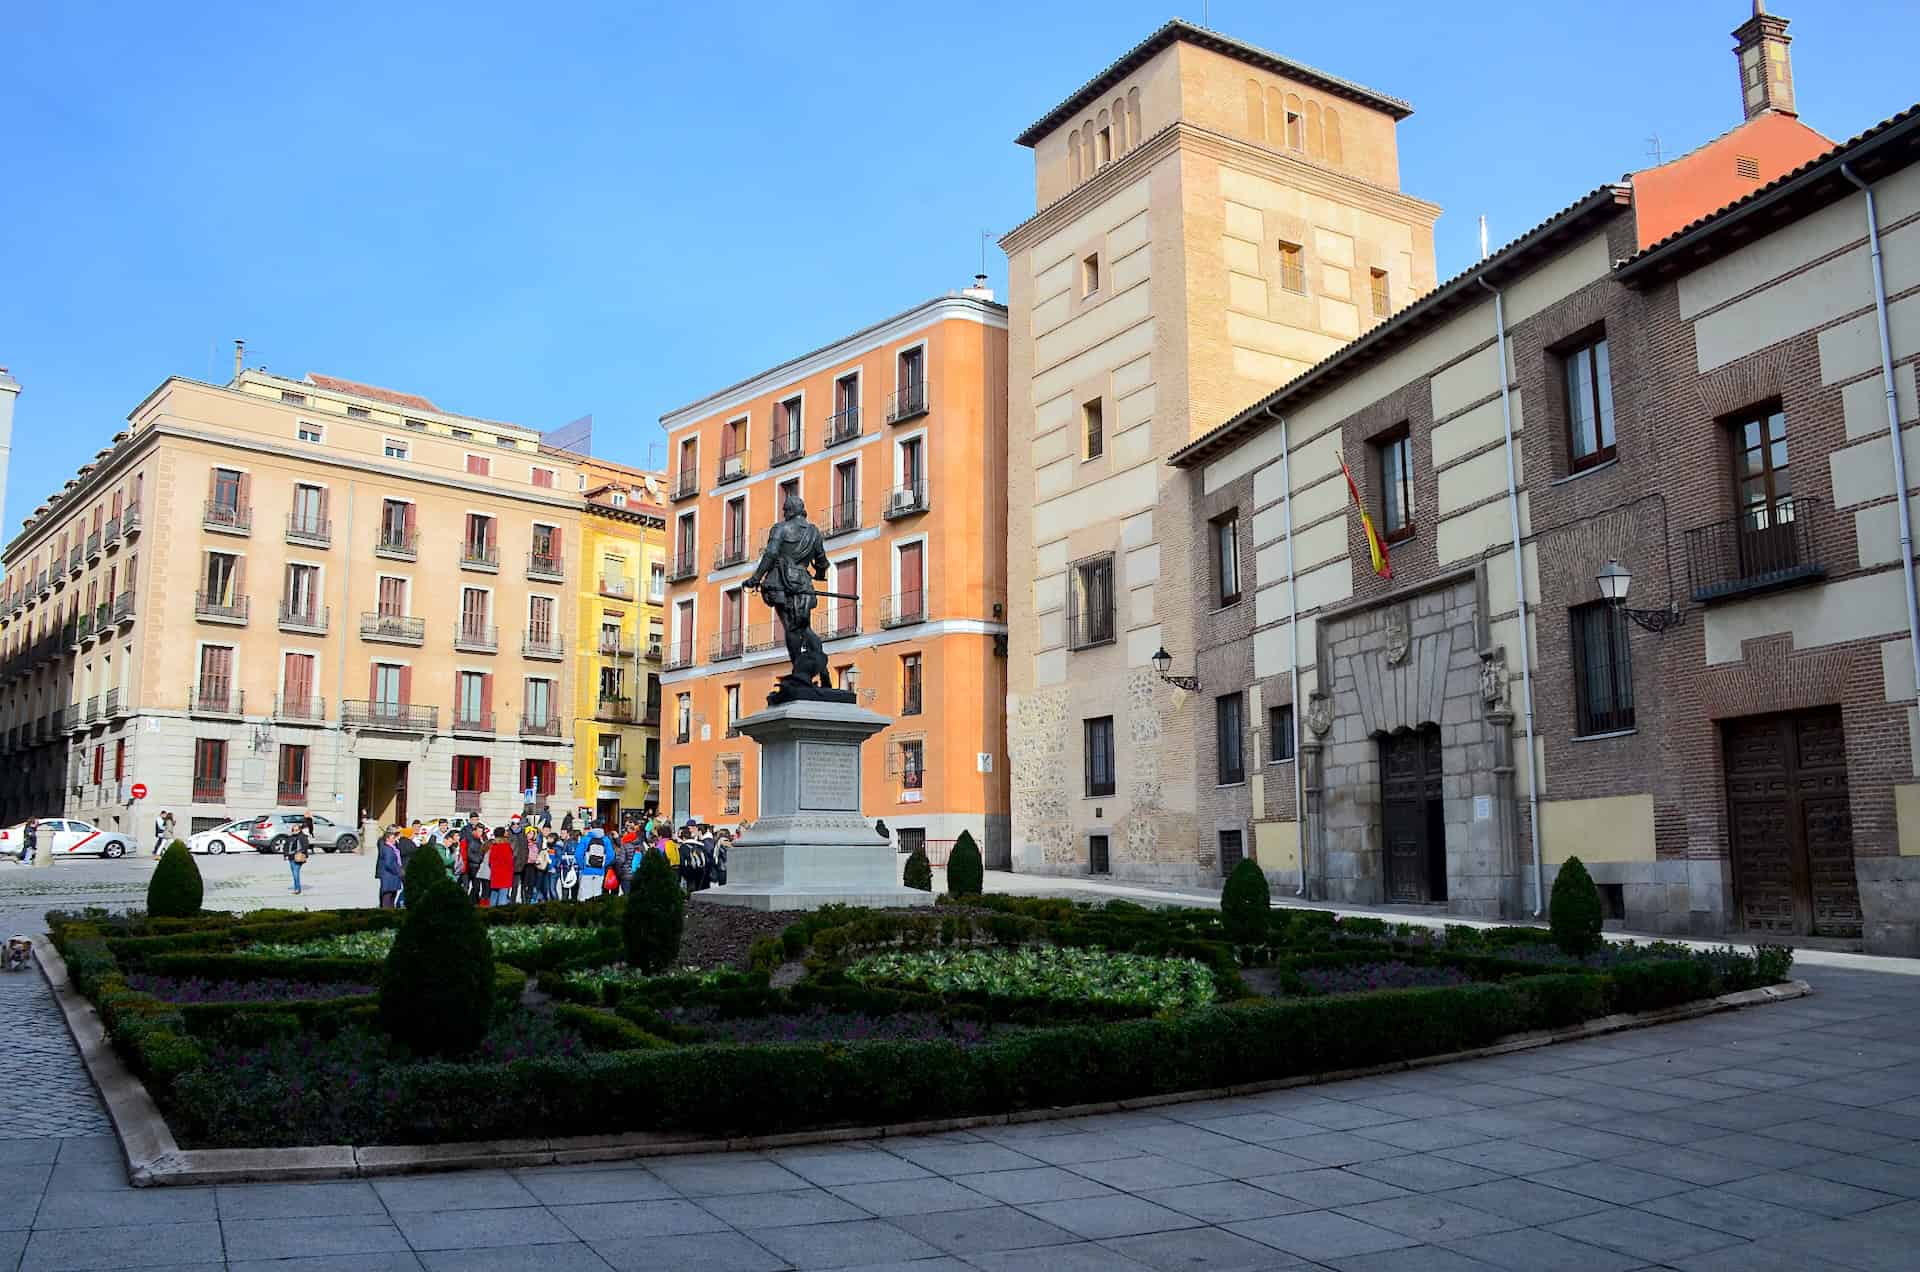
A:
x: 1226, y: 558
x: 792, y: 428
x: 358, y: 413
x: 1589, y: 387
x: 1382, y: 304
x: 293, y: 773
x: 538, y: 779
x: 733, y: 710
x: 789, y: 489
x: 296, y: 685
x: 1231, y: 851
x: 913, y: 367
x: 479, y: 541
x: 846, y: 406
x: 388, y: 678
x: 910, y: 686
x: 1090, y: 604
x: 209, y: 770
x: 99, y: 763
x: 613, y: 684
x: 418, y: 426
x: 226, y: 492
x: 309, y: 510
x: 223, y: 570
x: 682, y: 719
x: 1103, y: 145
x: 730, y: 787
x: 1393, y: 462
x: 297, y: 399
x: 393, y: 597
x: 912, y: 765
x: 1280, y: 734
x: 216, y: 675
x: 1230, y: 739
x: 1602, y: 669
x: 119, y: 759
x: 540, y: 619
x: 470, y: 698
x: 303, y: 593
x: 470, y: 774
x: 396, y: 516
x: 539, y: 701
x: 656, y: 582
x: 1293, y: 267
x: 1099, y: 860
x: 309, y: 432
x: 1090, y: 274
x: 461, y: 434
x: 480, y: 465
x: 543, y: 477
x: 1092, y: 429
x: 473, y: 611
x: 1097, y: 735
x: 395, y: 448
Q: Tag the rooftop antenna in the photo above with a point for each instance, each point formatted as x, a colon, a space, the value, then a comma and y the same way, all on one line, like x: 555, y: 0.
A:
x: 985, y: 235
x: 1483, y: 236
x: 1653, y: 149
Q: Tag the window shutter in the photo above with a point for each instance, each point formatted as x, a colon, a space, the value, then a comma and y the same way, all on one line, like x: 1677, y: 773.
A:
x: 407, y: 519
x: 486, y: 773
x: 322, y: 503
x: 553, y: 542
x: 406, y: 684
x: 239, y: 579
x: 493, y: 534
x: 213, y: 483
x: 246, y: 488
x: 486, y: 696
x: 373, y: 682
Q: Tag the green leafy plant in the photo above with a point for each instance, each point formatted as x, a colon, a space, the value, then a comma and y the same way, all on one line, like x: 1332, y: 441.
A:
x: 424, y: 872
x: 1244, y: 903
x: 1574, y: 913
x: 504, y: 938
x: 436, y: 993
x: 655, y: 914
x: 1090, y: 975
x: 965, y: 875
x: 918, y: 873
x: 175, y: 891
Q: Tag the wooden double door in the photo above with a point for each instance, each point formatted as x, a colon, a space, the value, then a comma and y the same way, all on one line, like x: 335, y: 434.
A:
x: 1413, y: 816
x: 1790, y: 824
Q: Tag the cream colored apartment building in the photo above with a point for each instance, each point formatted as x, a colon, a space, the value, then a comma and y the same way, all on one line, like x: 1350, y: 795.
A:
x: 1213, y: 219
x: 296, y: 594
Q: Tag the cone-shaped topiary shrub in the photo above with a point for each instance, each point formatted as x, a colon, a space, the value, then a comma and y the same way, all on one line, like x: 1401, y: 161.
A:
x: 175, y: 891
x: 1574, y: 913
x: 1244, y: 902
x: 965, y: 876
x: 654, y: 916
x: 424, y: 871
x: 919, y: 874
x: 436, y: 993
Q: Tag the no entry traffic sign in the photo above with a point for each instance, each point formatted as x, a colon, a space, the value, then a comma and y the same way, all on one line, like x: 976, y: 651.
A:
x: 139, y: 790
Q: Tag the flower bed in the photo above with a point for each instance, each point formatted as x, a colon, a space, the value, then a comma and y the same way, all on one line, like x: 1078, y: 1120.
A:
x: 1396, y: 974
x: 822, y: 1025
x: 194, y: 989
x: 1083, y: 975
x: 375, y: 944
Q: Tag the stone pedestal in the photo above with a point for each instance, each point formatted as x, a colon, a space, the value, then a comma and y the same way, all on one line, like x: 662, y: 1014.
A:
x: 810, y: 846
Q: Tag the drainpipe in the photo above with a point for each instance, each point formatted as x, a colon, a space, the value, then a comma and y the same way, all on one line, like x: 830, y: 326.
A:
x: 1293, y: 665
x: 340, y: 676
x: 1893, y: 418
x: 1519, y: 590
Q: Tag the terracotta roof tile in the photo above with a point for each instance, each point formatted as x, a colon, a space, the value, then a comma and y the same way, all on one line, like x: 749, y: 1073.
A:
x: 392, y: 397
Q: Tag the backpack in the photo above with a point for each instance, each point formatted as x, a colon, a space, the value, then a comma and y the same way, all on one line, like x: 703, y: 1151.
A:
x: 596, y: 853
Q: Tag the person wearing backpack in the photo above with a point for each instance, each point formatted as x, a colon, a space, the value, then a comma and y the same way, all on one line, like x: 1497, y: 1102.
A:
x: 590, y: 859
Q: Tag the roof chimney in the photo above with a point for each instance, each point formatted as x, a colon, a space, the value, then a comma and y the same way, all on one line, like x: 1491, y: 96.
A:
x: 1766, y: 70
x: 239, y: 359
x: 979, y: 290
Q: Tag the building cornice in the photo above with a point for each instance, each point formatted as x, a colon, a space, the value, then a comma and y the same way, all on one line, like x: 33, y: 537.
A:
x: 629, y: 515
x: 941, y: 309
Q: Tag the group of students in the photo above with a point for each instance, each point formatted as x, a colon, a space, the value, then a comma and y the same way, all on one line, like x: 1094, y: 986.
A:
x: 523, y: 862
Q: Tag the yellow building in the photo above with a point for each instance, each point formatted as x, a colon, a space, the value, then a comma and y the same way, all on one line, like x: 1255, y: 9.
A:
x: 622, y: 575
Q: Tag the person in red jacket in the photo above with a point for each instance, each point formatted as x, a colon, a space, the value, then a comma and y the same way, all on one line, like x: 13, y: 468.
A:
x: 500, y: 866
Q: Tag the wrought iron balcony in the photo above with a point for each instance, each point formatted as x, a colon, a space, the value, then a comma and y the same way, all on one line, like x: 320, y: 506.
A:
x: 291, y: 794
x: 209, y: 790
x: 398, y: 544
x: 610, y: 772
x: 546, y: 566
x: 679, y: 655
x: 907, y: 500
x: 546, y: 726
x: 123, y: 608
x: 786, y: 448
x: 389, y: 717
x: 616, y: 585
x: 115, y: 708
x: 93, y: 708
x: 683, y: 566
x: 842, y: 518
x: 732, y: 551
x: 843, y: 426
x: 472, y: 721
x: 655, y: 651
x: 1760, y: 550
x: 305, y: 617
x: 616, y: 645
x: 764, y: 636
x: 316, y: 532
x: 297, y: 710
x: 728, y: 645
x: 903, y: 608
x: 733, y: 467
x: 131, y: 523
x: 93, y: 546
x: 908, y: 402
x: 618, y: 710
x: 393, y: 629
x: 102, y: 616
x: 686, y: 484
x: 76, y: 561
x: 476, y: 638
x: 210, y: 608
x: 546, y: 645
x: 484, y: 557
x: 216, y: 698
x: 112, y: 537
x: 228, y: 518
x: 83, y: 631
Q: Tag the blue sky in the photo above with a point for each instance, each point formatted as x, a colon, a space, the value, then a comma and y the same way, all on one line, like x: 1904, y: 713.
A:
x: 532, y: 212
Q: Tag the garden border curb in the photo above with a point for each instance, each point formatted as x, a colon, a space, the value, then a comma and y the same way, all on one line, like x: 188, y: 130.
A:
x: 155, y: 1158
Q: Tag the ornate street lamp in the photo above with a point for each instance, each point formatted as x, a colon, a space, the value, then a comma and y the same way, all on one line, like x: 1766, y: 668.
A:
x: 1163, y: 660
x: 1614, y: 580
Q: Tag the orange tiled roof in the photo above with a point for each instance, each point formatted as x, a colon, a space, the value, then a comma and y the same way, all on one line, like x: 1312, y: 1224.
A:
x: 392, y: 397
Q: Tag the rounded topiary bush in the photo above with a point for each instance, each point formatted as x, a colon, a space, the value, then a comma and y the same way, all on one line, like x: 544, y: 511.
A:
x: 655, y: 912
x: 1244, y: 902
x: 1574, y: 913
x: 175, y: 891
x: 424, y: 872
x: 965, y: 875
x: 918, y: 874
x: 436, y: 993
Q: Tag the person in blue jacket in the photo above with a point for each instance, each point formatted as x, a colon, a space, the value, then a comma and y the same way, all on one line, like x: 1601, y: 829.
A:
x: 594, y: 843
x: 387, y: 868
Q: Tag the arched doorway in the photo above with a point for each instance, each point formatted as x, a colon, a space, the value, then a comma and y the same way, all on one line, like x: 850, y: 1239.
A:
x: 1413, y: 816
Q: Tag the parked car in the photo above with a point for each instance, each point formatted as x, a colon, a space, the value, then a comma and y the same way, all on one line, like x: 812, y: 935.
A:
x: 220, y: 838
x: 269, y: 832
x: 68, y: 837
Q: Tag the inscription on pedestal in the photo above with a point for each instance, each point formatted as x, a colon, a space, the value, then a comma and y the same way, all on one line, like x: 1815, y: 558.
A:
x: 829, y: 778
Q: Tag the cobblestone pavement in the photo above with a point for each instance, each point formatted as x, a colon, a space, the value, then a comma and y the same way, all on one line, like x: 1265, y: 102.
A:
x: 1783, y: 1137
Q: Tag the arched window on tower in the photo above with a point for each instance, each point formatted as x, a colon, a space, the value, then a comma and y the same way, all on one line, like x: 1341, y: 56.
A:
x: 1296, y: 123
x: 1133, y: 117
x: 1330, y: 123
x: 1276, y: 117
x: 1314, y: 147
x: 1256, y: 111
x: 1073, y: 156
x: 1122, y: 139
x: 1102, y: 141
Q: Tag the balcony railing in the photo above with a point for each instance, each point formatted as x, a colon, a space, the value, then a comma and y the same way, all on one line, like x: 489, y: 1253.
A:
x: 476, y: 638
x: 910, y: 701
x: 480, y: 556
x: 907, y: 500
x: 123, y: 608
x: 837, y: 620
x: 683, y: 566
x: 655, y: 651
x: 93, y: 546
x: 297, y: 710
x: 616, y: 585
x: 731, y: 552
x: 842, y: 518
x: 546, y: 726
x: 610, y: 772
x: 686, y: 484
x: 903, y: 608
x: 103, y: 616
x: 650, y: 713
x: 908, y: 402
x: 304, y: 616
x: 728, y: 645
x: 313, y: 531
x: 619, y: 710
x: 113, y: 707
x: 209, y: 790
x: 212, y: 609
x: 679, y: 655
x: 130, y: 521
x: 42, y: 584
x: 397, y: 544
x: 546, y: 566
x: 843, y: 426
x: 786, y: 448
x: 93, y: 708
x: 467, y: 801
x: 216, y: 699
x: 73, y: 718
x: 291, y: 794
x: 466, y: 721
x: 616, y: 645
x: 393, y: 629
x: 228, y: 518
x: 764, y: 636
x: 76, y: 560
x: 733, y: 467
x: 1758, y: 551
x: 392, y: 717
x: 651, y: 773
x: 548, y: 645
x: 83, y: 631
x: 112, y: 538
x: 1090, y: 628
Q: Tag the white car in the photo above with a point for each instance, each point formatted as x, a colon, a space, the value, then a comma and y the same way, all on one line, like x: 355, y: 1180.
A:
x: 221, y: 838
x: 66, y: 837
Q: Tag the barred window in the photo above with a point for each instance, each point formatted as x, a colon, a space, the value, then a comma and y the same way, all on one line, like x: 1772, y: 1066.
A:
x: 1099, y: 759
x: 1602, y: 669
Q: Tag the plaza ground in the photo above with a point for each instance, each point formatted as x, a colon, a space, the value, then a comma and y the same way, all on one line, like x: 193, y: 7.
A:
x: 1782, y: 1137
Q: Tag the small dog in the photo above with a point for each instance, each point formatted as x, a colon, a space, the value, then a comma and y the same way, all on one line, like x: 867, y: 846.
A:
x: 19, y: 953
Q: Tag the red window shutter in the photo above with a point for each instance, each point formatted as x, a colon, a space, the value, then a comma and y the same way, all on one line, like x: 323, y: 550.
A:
x: 553, y: 541
x: 486, y: 695
x: 246, y: 488
x: 239, y: 579
x: 373, y: 683
x: 323, y: 504
x: 406, y: 684
x: 408, y: 520
x: 493, y: 534
x: 120, y: 759
x: 485, y: 764
x: 213, y: 484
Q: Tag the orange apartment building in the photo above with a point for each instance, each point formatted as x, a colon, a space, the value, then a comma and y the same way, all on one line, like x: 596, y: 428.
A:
x: 895, y: 437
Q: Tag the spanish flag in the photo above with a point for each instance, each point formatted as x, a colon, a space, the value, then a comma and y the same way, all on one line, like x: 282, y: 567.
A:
x: 1375, y: 544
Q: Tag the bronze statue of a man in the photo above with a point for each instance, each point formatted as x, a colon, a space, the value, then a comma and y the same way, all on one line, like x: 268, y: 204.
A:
x: 793, y: 560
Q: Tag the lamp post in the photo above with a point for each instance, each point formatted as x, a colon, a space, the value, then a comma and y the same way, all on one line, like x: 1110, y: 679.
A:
x: 1163, y: 660
x: 1614, y: 580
